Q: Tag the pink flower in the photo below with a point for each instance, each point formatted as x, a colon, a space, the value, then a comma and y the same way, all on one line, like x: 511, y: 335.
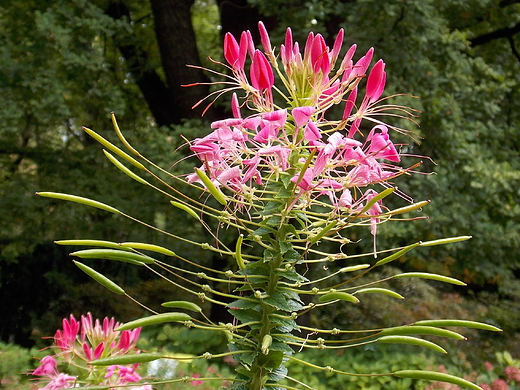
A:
x: 488, y: 366
x: 48, y: 366
x: 60, y: 381
x: 512, y: 373
x: 196, y: 383
x: 499, y: 384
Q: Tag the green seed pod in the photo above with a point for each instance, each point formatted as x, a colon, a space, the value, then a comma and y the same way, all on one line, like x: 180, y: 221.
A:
x: 385, y: 291
x: 238, y: 252
x: 459, y: 323
x: 397, y: 254
x: 338, y: 295
x: 436, y: 376
x: 79, y: 199
x: 409, y: 208
x: 121, y: 137
x: 444, y: 241
x: 422, y: 330
x: 411, y: 340
x: 127, y: 359
x: 113, y: 254
x: 323, y: 231
x: 425, y: 275
x: 377, y: 198
x: 101, y: 279
x: 186, y: 208
x: 124, y: 169
x: 155, y: 319
x: 102, y: 243
x: 183, y: 305
x: 217, y: 194
x: 148, y: 247
x: 114, y: 148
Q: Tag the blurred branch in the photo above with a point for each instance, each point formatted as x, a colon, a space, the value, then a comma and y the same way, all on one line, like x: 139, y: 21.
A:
x: 497, y: 34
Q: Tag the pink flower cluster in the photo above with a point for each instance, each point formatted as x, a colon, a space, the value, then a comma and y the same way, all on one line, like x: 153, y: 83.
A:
x: 79, y: 342
x: 324, y: 159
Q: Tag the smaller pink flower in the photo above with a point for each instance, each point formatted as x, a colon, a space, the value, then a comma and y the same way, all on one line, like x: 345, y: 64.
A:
x: 512, y: 373
x: 488, y: 366
x: 47, y: 366
x: 196, y: 383
x: 499, y: 384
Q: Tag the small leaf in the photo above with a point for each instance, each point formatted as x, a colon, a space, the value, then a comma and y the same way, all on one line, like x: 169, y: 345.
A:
x: 385, y: 291
x: 113, y: 254
x: 127, y: 359
x: 79, y: 199
x: 412, y: 341
x: 155, y: 319
x: 338, y: 295
x: 459, y: 323
x: 101, y: 279
x: 425, y: 275
x: 436, y: 376
x: 423, y: 330
x: 183, y: 305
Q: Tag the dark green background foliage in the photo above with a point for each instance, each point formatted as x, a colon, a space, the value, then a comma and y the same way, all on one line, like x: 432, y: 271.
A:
x: 67, y: 64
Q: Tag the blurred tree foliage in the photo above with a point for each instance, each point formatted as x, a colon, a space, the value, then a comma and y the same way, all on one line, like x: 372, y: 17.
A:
x: 65, y: 64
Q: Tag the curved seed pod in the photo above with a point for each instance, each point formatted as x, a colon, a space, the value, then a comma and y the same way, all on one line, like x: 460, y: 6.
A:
x: 182, y: 305
x: 155, y: 319
x: 444, y: 241
x: 217, y: 194
x: 186, y: 208
x: 101, y: 279
x: 238, y: 253
x: 124, y: 169
x: 385, y: 291
x: 127, y: 359
x: 353, y: 268
x: 397, y: 254
x: 121, y: 137
x: 425, y: 275
x: 409, y: 208
x: 411, y: 340
x: 378, y: 197
x: 114, y: 148
x: 436, y: 376
x: 423, y: 330
x: 338, y: 295
x: 106, y: 244
x: 148, y: 247
x: 79, y: 199
x: 459, y: 323
x: 112, y: 254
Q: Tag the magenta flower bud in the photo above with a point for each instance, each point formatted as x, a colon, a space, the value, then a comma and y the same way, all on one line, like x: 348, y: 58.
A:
x: 337, y: 47
x: 264, y: 37
x: 362, y: 65
x: 246, y: 44
x: 376, y: 81
x: 351, y: 102
x: 235, y: 106
x: 262, y: 76
x: 99, y: 350
x: 319, y: 55
x: 231, y: 49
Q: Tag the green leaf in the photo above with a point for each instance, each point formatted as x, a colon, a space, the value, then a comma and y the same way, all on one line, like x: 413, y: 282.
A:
x: 423, y: 330
x: 424, y: 275
x: 80, y: 200
x: 412, y: 341
x: 155, y: 319
x: 114, y: 254
x: 436, y: 376
x: 127, y: 359
x: 459, y: 323
x: 101, y: 279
